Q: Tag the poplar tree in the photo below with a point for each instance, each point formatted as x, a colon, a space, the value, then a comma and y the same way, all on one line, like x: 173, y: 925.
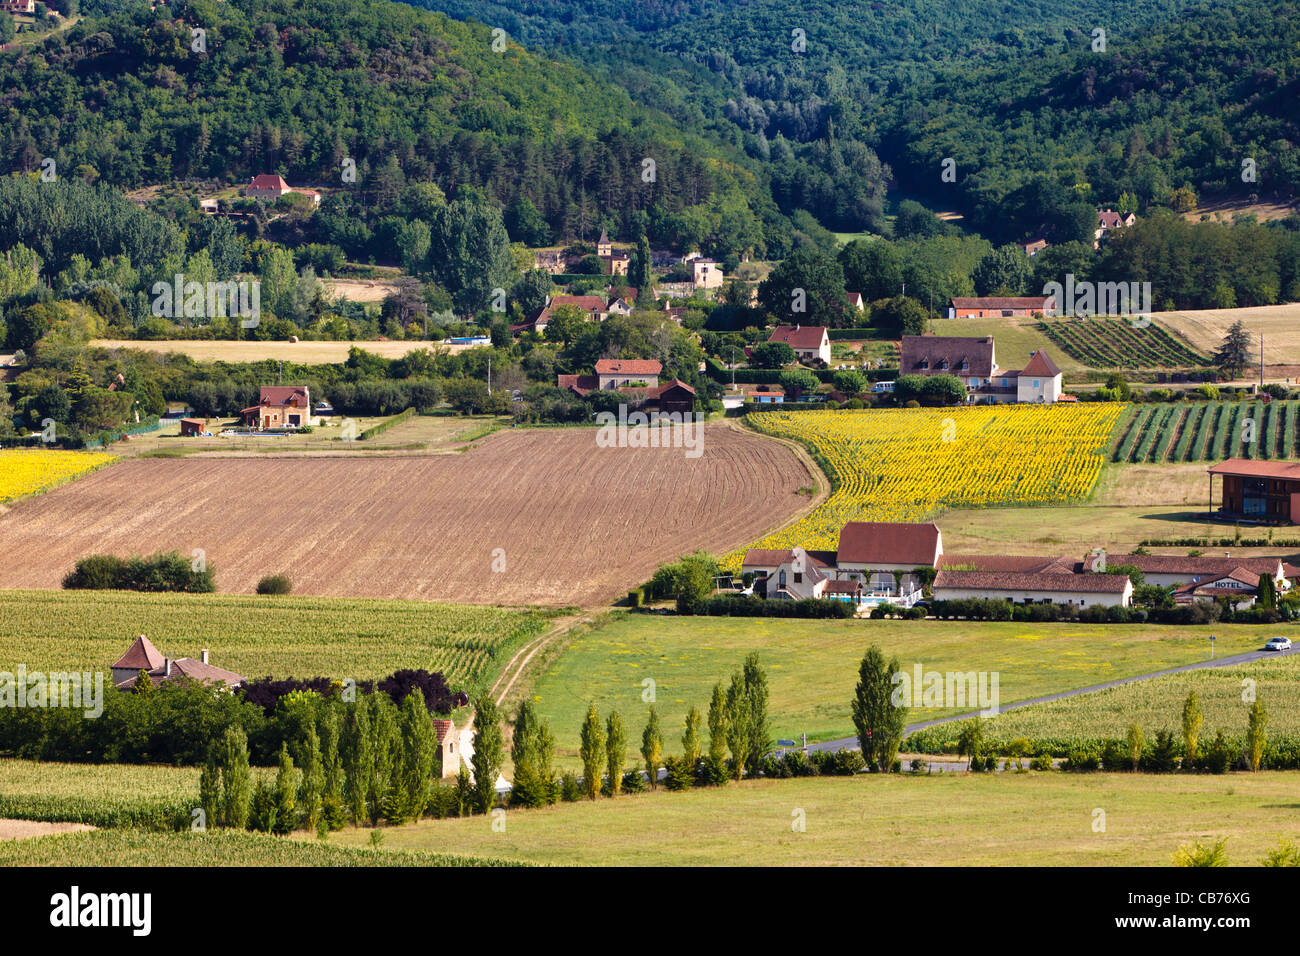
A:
x: 615, y: 752
x: 760, y: 732
x: 1191, y: 729
x: 691, y: 739
x: 311, y: 792
x: 591, y: 749
x: 717, y: 732
x: 1256, y: 735
x: 878, y: 720
x: 236, y: 779
x: 532, y: 750
x: 419, y: 754
x: 652, y: 747
x: 489, y: 752
x: 738, y: 736
x: 355, y: 756
x: 286, y: 794
x: 210, y: 789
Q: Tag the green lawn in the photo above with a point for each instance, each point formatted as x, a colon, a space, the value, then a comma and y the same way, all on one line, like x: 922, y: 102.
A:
x: 940, y: 820
x: 812, y: 665
x: 1153, y: 705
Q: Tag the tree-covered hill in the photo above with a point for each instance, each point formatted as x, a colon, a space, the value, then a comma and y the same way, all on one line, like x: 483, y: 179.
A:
x: 297, y: 87
x: 1035, y: 119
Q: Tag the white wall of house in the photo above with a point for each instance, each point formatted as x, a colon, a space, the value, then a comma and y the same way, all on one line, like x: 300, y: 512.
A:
x: 1038, y: 389
x: 1077, y: 598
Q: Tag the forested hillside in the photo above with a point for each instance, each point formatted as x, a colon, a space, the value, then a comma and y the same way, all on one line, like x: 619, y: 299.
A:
x: 1015, y: 94
x: 299, y: 87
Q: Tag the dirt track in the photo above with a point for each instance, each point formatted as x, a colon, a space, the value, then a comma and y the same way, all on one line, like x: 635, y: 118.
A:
x: 575, y: 523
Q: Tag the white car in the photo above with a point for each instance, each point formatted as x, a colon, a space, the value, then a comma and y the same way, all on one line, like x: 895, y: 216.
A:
x: 1278, y: 644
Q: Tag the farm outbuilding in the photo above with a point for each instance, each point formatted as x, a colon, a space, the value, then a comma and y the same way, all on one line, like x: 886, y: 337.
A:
x: 192, y: 427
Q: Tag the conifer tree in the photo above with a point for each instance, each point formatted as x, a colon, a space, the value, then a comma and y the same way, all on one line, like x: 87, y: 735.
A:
x: 1191, y: 729
x: 210, y: 789
x: 1256, y: 735
x: 691, y: 738
x: 652, y: 747
x: 738, y: 735
x: 419, y: 754
x: 286, y: 794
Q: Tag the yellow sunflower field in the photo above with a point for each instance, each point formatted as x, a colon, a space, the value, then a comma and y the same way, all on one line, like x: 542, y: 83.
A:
x: 908, y: 464
x: 24, y: 471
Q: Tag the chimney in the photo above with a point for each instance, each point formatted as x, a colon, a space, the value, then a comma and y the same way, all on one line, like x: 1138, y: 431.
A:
x: 168, y: 671
x: 203, y: 655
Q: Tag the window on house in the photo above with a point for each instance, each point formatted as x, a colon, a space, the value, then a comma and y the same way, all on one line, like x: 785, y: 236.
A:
x: 1035, y: 383
x: 798, y: 578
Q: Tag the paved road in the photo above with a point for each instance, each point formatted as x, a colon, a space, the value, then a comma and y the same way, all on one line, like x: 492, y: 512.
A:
x: 851, y: 743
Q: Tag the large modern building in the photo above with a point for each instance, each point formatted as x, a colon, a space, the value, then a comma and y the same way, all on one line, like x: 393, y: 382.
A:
x: 1264, y: 491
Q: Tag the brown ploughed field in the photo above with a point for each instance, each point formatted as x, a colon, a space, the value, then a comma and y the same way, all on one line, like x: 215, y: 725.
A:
x: 576, y: 523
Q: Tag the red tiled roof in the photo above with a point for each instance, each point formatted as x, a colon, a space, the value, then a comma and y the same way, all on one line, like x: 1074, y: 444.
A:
x: 885, y: 542
x: 293, y: 395
x: 1041, y: 364
x: 1257, y: 469
x: 209, y: 674
x: 1032, y: 563
x: 442, y: 728
x: 771, y: 557
x: 1038, y: 302
x: 582, y: 384
x: 268, y: 181
x: 588, y: 303
x: 799, y: 336
x: 628, y: 367
x: 1199, y: 566
x: 918, y: 350
x: 1029, y: 581
x: 141, y: 655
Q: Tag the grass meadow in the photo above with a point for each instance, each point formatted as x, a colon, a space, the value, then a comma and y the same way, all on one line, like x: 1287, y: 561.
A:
x: 1027, y: 819
x: 812, y: 665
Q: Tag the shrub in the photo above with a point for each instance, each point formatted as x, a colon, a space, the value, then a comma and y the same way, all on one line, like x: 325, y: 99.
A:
x: 570, y: 789
x: 1162, y: 756
x: 680, y: 774
x: 634, y: 781
x: 919, y: 765
x: 1082, y: 760
x: 1042, y: 763
x: 168, y: 571
x: 274, y: 584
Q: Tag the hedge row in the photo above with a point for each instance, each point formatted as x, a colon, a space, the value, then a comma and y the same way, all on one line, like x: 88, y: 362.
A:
x: 381, y: 427
x: 725, y: 606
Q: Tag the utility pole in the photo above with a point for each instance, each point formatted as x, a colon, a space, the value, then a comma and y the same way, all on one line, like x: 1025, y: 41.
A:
x: 1261, y: 360
x: 489, y: 374
x: 733, y: 368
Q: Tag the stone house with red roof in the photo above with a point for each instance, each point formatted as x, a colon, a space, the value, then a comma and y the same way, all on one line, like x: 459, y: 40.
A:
x: 622, y: 373
x: 143, y: 656
x: 1000, y: 306
x: 811, y: 343
x: 281, y: 406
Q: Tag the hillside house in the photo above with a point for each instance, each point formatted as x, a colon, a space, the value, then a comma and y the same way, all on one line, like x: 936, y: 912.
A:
x: 1039, y: 380
x: 786, y: 574
x: 613, y: 263
x: 1001, y: 306
x: 281, y: 406
x: 1262, y: 491
x: 706, y: 274
x: 1033, y: 248
x: 269, y: 187
x: 811, y: 343
x: 856, y: 303
x: 18, y: 6
x: 973, y: 361
x: 764, y: 394
x: 143, y: 656
x: 1108, y: 219
x: 622, y: 373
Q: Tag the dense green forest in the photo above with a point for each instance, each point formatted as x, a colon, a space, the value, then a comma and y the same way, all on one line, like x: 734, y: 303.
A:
x: 407, y: 95
x: 1034, y: 118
